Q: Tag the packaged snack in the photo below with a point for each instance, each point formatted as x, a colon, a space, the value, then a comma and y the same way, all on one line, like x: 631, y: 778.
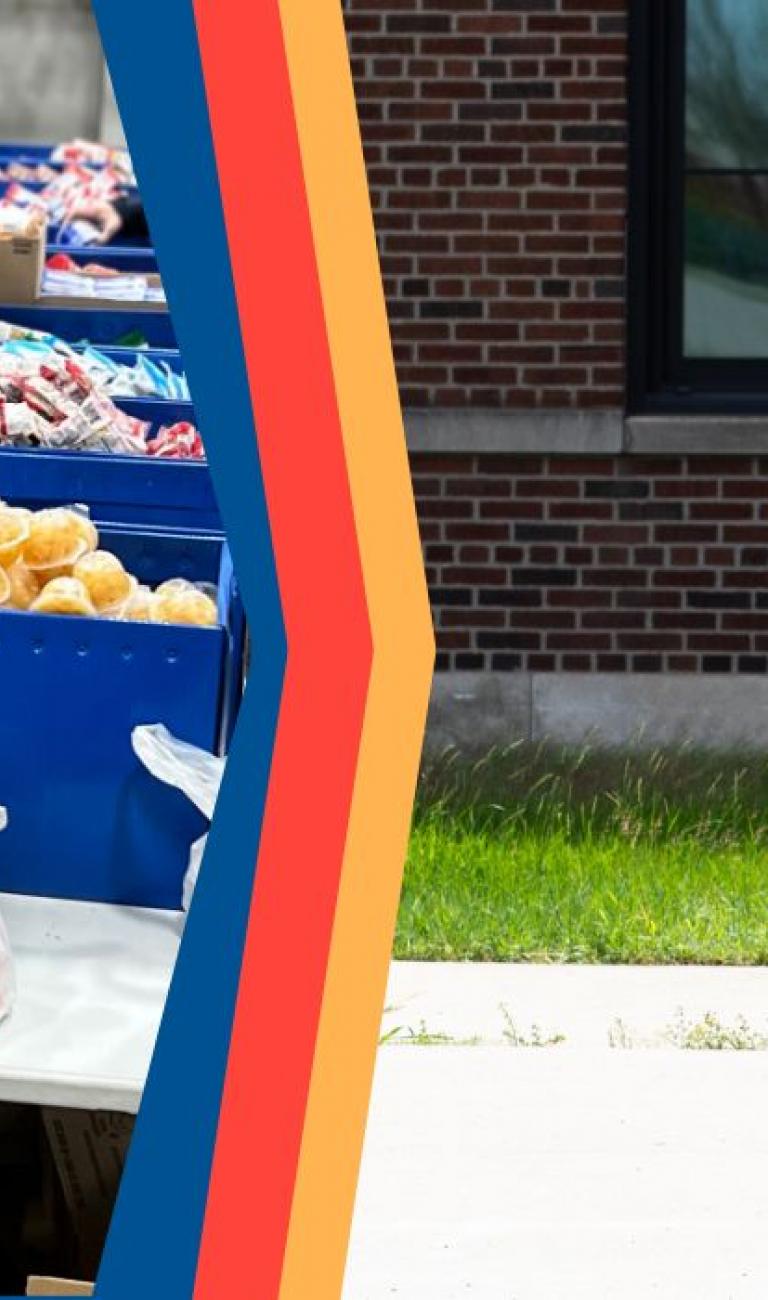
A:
x: 56, y: 539
x: 179, y: 601
x: 15, y: 525
x: 64, y: 596
x: 18, y: 424
x: 177, y: 442
x: 24, y: 586
x: 105, y: 579
x: 85, y: 527
x: 50, y: 563
x: 22, y: 215
x: 138, y: 607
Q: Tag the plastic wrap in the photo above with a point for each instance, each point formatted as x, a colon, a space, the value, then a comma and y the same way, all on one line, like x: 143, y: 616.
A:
x: 53, y: 397
x: 194, y: 771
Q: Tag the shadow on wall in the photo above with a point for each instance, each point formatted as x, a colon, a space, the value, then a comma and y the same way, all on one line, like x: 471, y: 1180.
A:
x: 53, y: 83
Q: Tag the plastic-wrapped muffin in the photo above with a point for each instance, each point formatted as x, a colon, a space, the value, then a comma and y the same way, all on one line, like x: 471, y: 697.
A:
x: 56, y: 540
x: 14, y: 533
x: 5, y: 587
x: 24, y: 586
x: 64, y: 596
x: 105, y: 580
x: 86, y: 528
x: 178, y: 601
x: 138, y: 607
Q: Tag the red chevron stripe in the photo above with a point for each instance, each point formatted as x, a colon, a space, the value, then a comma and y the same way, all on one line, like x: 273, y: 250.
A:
x: 329, y: 650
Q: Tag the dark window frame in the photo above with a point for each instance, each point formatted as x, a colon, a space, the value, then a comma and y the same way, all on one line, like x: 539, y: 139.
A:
x: 659, y: 378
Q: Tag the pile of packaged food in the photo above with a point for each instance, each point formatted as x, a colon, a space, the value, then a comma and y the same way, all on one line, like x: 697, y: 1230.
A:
x: 19, y: 219
x: 29, y: 173
x: 82, y: 153
x: 73, y: 188
x: 146, y: 377
x: 65, y: 278
x: 49, y: 399
x: 50, y: 563
x: 90, y: 153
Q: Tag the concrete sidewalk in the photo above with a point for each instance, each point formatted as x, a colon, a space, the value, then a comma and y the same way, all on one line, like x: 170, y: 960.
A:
x: 499, y: 1174
x: 570, y: 1172
x: 590, y: 1006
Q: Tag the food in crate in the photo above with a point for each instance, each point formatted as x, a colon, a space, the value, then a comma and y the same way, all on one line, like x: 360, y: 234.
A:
x: 177, y: 442
x: 21, y: 218
x: 63, y: 596
x: 48, y: 399
x: 147, y: 377
x: 50, y: 563
x: 74, y: 187
x: 94, y: 154
x: 28, y: 173
x: 65, y: 278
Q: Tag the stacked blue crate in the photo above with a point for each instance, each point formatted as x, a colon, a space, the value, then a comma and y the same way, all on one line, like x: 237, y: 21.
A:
x: 85, y: 820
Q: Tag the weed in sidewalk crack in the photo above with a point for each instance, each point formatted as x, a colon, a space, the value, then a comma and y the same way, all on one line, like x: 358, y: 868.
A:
x: 533, y: 1037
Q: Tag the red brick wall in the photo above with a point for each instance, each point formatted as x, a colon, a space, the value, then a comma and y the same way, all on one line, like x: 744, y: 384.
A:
x: 614, y: 563
x: 494, y: 133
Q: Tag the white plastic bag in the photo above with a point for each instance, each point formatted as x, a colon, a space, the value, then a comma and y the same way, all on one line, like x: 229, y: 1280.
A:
x: 195, y: 772
x: 7, y: 981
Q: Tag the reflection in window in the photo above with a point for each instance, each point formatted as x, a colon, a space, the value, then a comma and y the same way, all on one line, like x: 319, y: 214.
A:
x: 726, y: 195
x: 727, y: 85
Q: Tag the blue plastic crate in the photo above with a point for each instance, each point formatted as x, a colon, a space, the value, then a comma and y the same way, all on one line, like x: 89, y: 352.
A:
x: 119, y: 257
x: 85, y: 821
x: 127, y: 356
x: 31, y: 152
x: 157, y: 410
x: 96, y: 325
x: 25, y: 151
x: 118, y: 489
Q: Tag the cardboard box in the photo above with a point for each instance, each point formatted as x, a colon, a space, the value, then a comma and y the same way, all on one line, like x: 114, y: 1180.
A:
x: 89, y: 1150
x: 22, y: 261
x: 52, y: 1286
x: 22, y: 264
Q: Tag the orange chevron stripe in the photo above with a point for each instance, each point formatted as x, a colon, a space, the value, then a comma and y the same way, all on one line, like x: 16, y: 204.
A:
x: 403, y: 649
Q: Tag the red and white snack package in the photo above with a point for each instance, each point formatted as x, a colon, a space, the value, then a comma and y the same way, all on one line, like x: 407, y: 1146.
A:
x: 177, y: 442
x: 18, y: 424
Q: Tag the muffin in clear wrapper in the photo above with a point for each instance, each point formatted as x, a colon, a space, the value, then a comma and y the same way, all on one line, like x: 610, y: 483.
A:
x: 86, y: 528
x: 179, y: 601
x: 56, y: 540
x: 5, y: 587
x: 24, y: 586
x: 138, y: 607
x: 64, y: 596
x: 105, y: 579
x: 15, y: 527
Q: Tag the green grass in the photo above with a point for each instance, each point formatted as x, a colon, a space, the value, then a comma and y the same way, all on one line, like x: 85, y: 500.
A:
x: 541, y: 855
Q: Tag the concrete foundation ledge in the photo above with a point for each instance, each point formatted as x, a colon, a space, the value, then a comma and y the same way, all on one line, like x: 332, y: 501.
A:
x: 526, y: 432
x: 582, y: 433
x: 476, y: 711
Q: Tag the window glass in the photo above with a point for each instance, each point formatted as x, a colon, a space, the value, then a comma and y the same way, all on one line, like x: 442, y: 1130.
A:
x: 726, y: 266
x: 725, y: 311
x: 727, y: 84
